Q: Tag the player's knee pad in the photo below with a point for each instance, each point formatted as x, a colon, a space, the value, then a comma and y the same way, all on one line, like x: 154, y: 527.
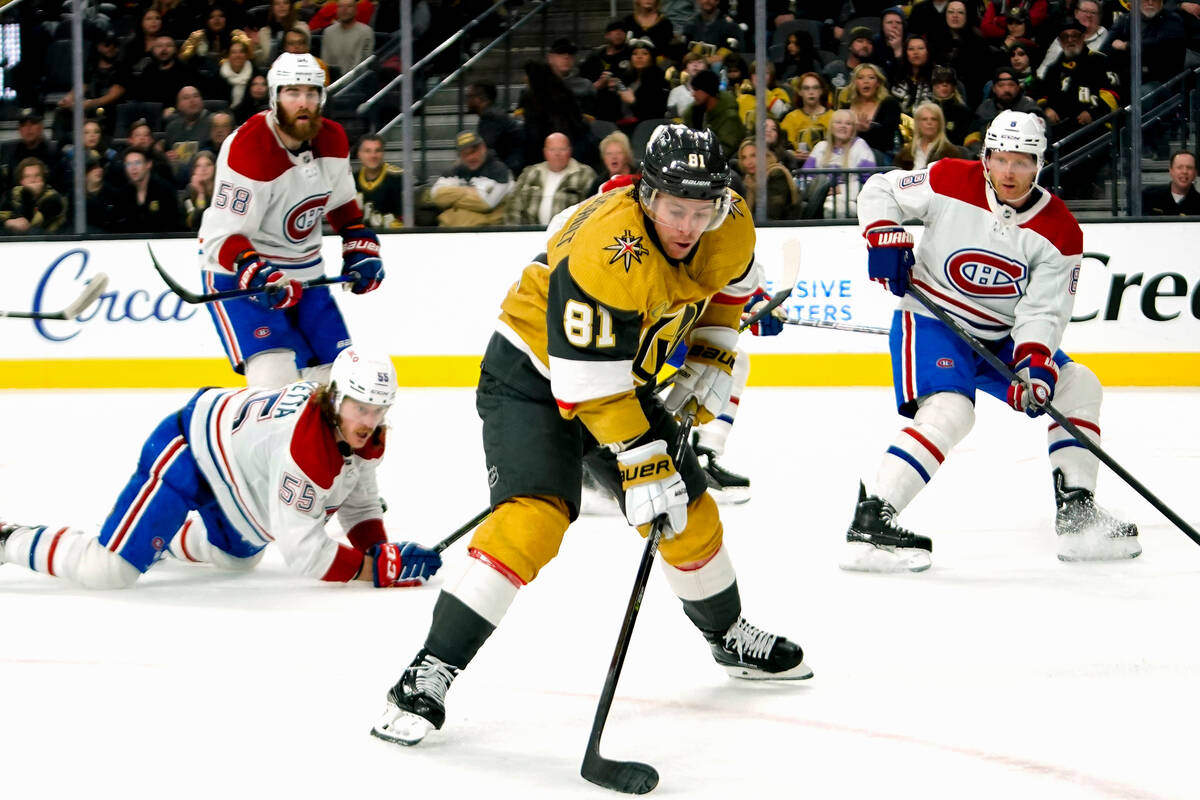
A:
x: 945, y: 417
x: 1078, y: 392
x: 272, y: 369
x: 701, y: 580
x: 222, y: 560
x: 97, y: 567
x: 524, y: 533
x: 941, y: 421
x: 700, y: 540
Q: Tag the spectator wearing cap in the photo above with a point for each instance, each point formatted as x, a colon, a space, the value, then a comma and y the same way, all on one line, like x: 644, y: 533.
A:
x: 888, y: 49
x: 1178, y: 198
x: 649, y: 22
x: 104, y: 85
x: 605, y: 67
x: 32, y: 143
x: 561, y: 58
x: 947, y: 94
x: 645, y: 89
x: 1007, y: 94
x: 32, y: 205
x: 713, y: 34
x: 715, y: 110
x: 1016, y: 26
x: 1088, y: 12
x: 546, y: 188
x: 860, y: 50
x: 474, y: 192
x: 503, y: 133
x: 1022, y: 55
x: 996, y: 13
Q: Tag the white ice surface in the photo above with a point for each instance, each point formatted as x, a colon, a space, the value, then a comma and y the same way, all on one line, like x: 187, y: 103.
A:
x: 999, y: 673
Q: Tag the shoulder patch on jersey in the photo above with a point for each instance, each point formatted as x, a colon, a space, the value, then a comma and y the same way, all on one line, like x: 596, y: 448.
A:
x: 916, y: 179
x: 255, y: 153
x: 331, y: 141
x: 314, y: 449
x: 1057, y: 225
x: 960, y: 179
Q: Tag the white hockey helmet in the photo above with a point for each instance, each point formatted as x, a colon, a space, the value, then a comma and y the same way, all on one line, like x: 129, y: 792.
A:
x: 295, y: 69
x: 1016, y: 132
x: 366, y: 377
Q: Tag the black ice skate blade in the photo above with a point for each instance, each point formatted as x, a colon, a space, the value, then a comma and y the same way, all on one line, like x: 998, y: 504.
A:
x: 630, y: 777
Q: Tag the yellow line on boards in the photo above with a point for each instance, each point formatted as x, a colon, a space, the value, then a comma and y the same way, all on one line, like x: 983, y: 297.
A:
x: 766, y: 369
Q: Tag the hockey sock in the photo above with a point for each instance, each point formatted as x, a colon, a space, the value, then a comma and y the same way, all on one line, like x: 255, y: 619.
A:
x: 470, y: 608
x: 1077, y: 396
x: 709, y: 591
x: 191, y: 542
x: 71, y: 554
x: 941, y: 421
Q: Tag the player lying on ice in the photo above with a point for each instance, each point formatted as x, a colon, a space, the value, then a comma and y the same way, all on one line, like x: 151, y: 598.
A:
x: 259, y: 466
x: 569, y: 377
x: 1001, y: 256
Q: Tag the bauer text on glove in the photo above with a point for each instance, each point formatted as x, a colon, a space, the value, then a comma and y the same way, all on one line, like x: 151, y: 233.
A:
x: 706, y: 375
x: 360, y: 255
x: 653, y: 487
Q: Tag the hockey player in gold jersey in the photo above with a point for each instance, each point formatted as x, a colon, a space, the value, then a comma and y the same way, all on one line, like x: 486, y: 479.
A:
x: 569, y: 377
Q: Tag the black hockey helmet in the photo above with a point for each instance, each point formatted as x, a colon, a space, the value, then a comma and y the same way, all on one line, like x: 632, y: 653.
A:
x: 685, y: 163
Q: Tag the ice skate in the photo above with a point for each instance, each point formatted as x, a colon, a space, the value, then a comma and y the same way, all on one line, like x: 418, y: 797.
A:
x: 1086, y: 532
x: 417, y: 703
x: 727, y: 488
x: 875, y: 544
x: 595, y: 500
x: 752, y: 654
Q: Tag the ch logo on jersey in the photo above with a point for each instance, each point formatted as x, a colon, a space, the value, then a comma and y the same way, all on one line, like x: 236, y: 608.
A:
x: 304, y: 217
x: 980, y: 273
x: 627, y: 247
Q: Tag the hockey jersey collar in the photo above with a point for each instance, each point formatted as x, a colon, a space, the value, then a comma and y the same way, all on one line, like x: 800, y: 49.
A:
x: 1007, y: 215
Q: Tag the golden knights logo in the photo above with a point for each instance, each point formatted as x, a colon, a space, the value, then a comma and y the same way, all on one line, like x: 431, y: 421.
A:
x: 735, y: 207
x: 627, y: 247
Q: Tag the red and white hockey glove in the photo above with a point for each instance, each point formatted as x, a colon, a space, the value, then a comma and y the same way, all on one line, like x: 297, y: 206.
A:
x: 706, y: 375
x: 653, y: 487
x: 1036, y: 376
x: 278, y: 291
x: 360, y: 254
x: 889, y: 255
x: 403, y: 564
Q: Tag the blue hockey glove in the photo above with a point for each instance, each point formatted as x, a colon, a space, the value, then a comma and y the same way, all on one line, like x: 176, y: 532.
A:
x: 1036, y: 376
x: 769, y: 325
x: 360, y: 253
x: 403, y: 564
x: 889, y: 256
x: 277, y: 292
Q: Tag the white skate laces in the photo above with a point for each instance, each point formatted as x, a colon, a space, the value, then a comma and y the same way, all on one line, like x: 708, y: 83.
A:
x: 433, y: 677
x: 747, y: 640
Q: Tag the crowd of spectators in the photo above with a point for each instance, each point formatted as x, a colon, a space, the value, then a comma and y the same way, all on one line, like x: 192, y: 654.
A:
x: 852, y: 86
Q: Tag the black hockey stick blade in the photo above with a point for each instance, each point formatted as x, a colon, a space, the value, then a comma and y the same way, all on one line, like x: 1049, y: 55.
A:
x: 90, y: 294
x: 1056, y: 415
x: 630, y: 777
x: 465, y: 529
x: 212, y: 297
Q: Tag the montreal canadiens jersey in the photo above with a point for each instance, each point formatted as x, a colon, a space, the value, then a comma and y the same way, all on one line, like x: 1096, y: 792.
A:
x: 600, y: 311
x: 273, y: 200
x: 277, y: 473
x: 996, y: 270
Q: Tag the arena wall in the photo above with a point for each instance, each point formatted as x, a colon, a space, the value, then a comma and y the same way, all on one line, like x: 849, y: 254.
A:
x: 1137, y: 313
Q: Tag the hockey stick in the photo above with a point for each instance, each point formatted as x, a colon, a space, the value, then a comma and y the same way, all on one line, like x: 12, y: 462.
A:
x: 90, y: 294
x: 791, y: 271
x: 838, y: 326
x: 465, y: 529
x: 1055, y: 414
x: 211, y: 297
x: 631, y: 777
